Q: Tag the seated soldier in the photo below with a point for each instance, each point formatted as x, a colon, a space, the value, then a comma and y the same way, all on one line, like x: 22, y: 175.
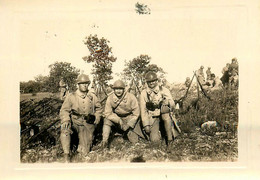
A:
x: 121, y: 111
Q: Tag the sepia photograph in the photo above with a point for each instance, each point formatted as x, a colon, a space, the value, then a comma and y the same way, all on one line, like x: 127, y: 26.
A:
x: 148, y: 84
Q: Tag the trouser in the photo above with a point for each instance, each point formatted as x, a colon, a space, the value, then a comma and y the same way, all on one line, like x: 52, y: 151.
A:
x: 131, y: 135
x: 85, y: 136
x: 155, y: 135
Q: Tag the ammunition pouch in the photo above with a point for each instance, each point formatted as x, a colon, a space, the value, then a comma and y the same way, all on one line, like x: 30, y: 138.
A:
x: 151, y: 106
x: 90, y: 118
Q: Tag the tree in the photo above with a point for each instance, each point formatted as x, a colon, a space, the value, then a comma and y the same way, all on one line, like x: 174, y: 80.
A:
x: 138, y: 67
x: 43, y: 82
x: 142, y: 8
x: 101, y: 57
x: 62, y: 70
x: 29, y: 87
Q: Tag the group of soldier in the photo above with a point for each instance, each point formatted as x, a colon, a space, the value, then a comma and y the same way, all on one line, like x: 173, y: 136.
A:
x: 81, y: 112
x: 229, y: 77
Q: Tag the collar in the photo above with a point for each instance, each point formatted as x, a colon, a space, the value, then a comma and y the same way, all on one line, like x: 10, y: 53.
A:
x: 116, y: 99
x: 81, y: 94
x: 155, y: 90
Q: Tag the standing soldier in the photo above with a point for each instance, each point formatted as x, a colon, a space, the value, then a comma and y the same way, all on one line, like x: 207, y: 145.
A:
x: 122, y: 111
x: 156, y: 104
x: 64, y: 90
x: 208, y: 72
x: 81, y: 112
x: 200, y: 75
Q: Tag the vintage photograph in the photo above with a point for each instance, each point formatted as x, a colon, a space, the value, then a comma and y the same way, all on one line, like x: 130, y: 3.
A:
x: 141, y: 82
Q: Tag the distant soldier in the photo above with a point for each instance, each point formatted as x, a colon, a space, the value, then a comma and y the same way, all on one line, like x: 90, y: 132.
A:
x: 225, y: 76
x: 81, y: 112
x: 200, y: 75
x: 121, y: 112
x: 187, y: 82
x: 208, y: 72
x: 210, y: 81
x: 233, y: 79
x: 234, y: 65
x: 217, y: 84
x: 64, y: 90
x: 156, y: 104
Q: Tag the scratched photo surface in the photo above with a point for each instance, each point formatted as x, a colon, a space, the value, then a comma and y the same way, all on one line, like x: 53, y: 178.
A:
x: 139, y: 82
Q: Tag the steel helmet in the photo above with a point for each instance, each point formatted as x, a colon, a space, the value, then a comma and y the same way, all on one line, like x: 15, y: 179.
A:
x: 83, y: 78
x: 119, y: 84
x: 150, y: 76
x: 201, y: 67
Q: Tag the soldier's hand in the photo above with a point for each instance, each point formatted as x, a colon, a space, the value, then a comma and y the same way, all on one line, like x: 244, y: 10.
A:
x: 96, y: 122
x: 147, y: 129
x: 66, y: 125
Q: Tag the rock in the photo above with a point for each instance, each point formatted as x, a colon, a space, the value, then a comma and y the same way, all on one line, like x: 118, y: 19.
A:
x: 209, y: 124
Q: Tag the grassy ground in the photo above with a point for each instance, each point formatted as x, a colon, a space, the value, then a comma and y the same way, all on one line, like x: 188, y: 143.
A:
x: 218, y: 144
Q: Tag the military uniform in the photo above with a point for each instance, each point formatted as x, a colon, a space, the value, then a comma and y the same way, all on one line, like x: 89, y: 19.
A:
x: 151, y: 117
x: 208, y: 72
x: 83, y: 104
x: 125, y: 113
x: 200, y: 75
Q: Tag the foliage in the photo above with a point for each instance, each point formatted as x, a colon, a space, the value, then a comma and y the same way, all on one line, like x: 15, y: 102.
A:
x: 43, y: 82
x: 223, y: 108
x: 101, y: 57
x: 138, y: 67
x: 142, y: 8
x: 62, y: 70
x: 30, y: 87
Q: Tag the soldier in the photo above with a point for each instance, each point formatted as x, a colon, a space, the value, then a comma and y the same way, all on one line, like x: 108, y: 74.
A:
x: 187, y: 82
x: 208, y: 72
x: 64, y: 91
x: 200, y: 75
x: 122, y: 111
x: 81, y: 112
x: 233, y: 65
x: 156, y: 104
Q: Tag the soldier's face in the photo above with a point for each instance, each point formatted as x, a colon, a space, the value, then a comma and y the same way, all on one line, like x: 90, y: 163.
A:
x: 152, y: 84
x: 83, y: 87
x: 119, y: 92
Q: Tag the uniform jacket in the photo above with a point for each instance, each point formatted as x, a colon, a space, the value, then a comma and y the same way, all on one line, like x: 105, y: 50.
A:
x: 129, y: 105
x: 156, y: 96
x: 83, y: 104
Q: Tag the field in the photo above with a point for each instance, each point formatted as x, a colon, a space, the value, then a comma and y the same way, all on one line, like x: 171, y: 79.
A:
x: 40, y: 133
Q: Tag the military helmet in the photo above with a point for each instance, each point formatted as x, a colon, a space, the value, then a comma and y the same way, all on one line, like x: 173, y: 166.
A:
x: 150, y: 76
x: 83, y: 78
x: 201, y: 67
x: 119, y: 84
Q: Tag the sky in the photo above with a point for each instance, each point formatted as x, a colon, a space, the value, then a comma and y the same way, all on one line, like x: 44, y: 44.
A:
x: 178, y: 37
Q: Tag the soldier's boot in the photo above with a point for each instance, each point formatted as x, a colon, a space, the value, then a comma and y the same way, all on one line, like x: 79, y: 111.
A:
x: 105, y: 136
x: 132, y: 136
x: 65, y: 142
